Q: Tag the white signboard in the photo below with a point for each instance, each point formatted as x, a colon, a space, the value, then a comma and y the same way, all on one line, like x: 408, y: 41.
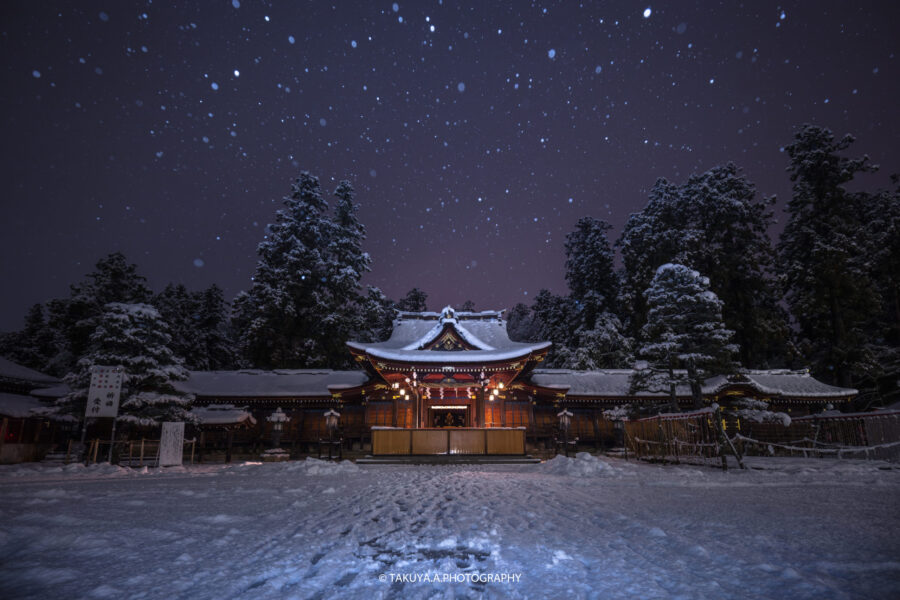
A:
x: 103, y: 396
x: 171, y: 444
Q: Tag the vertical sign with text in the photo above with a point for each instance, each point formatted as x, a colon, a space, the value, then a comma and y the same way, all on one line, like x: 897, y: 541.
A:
x: 103, y: 396
x: 171, y: 444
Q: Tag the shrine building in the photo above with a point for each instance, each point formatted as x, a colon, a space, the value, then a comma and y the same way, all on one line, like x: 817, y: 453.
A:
x: 460, y: 370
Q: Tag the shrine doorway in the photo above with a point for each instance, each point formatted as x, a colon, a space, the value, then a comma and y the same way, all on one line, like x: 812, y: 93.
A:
x: 448, y: 416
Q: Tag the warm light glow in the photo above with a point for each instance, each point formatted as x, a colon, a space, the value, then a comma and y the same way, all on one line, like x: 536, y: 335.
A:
x: 491, y: 397
x: 501, y: 385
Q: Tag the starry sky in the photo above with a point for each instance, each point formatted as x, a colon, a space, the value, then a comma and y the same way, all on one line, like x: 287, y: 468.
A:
x: 475, y: 133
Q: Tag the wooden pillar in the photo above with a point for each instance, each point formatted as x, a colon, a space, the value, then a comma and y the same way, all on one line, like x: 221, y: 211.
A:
x: 596, y: 429
x: 479, y: 398
x: 394, y: 413
x: 502, y: 412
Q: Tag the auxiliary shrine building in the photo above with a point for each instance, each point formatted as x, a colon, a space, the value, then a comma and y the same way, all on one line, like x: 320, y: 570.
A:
x: 459, y: 370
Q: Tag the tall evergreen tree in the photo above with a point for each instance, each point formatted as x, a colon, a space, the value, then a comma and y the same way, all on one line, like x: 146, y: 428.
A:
x: 882, y: 216
x: 584, y: 328
x: 283, y: 312
x: 35, y: 345
x: 467, y: 306
x: 304, y: 301
x: 348, y: 262
x: 684, y: 339
x: 53, y: 342
x: 178, y: 308
x: 217, y: 350
x: 378, y: 317
x: 715, y: 224
x: 589, y: 264
x: 414, y: 301
x: 135, y: 337
x: 824, y: 259
x: 520, y: 324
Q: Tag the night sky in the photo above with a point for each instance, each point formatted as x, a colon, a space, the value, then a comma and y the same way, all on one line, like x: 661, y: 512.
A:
x: 475, y: 134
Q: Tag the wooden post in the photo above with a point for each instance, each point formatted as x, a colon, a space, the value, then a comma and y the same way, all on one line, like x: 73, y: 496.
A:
x: 68, y: 451
x: 96, y: 449
x: 596, y: 420
x: 142, y: 452
x: 193, y: 443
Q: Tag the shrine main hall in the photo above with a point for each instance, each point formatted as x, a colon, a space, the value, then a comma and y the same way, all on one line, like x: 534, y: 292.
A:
x: 460, y: 370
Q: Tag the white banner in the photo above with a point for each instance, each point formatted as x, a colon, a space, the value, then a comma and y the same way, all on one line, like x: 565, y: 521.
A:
x: 103, y: 396
x: 171, y: 444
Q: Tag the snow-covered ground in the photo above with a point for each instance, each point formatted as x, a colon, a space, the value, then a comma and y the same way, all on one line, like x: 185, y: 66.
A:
x: 569, y: 528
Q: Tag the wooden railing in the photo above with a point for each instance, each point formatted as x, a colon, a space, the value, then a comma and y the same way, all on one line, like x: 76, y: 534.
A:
x: 496, y: 440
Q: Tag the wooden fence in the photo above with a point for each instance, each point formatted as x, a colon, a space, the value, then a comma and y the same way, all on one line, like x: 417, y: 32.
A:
x: 874, y: 435
x: 682, y: 437
x: 698, y: 438
x: 133, y: 453
x: 495, y: 441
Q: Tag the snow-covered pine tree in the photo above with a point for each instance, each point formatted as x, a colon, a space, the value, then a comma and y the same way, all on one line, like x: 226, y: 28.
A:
x: 685, y: 339
x: 555, y: 319
x: 589, y: 263
x: 585, y: 331
x: 179, y: 310
x: 217, y: 349
x: 521, y: 325
x: 467, y: 306
x: 75, y: 318
x: 135, y: 337
x: 883, y: 326
x: 596, y: 338
x: 304, y: 301
x: 281, y: 317
x: 35, y: 345
x: 415, y: 301
x: 348, y: 262
x: 715, y: 224
x: 378, y: 317
x: 823, y: 255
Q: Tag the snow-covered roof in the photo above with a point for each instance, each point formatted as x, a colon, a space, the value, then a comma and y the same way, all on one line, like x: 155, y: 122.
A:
x: 780, y: 382
x: 617, y: 382
x: 18, y: 406
x: 273, y: 384
x: 222, y: 414
x: 56, y: 391
x: 11, y: 370
x: 485, y: 331
x: 604, y: 382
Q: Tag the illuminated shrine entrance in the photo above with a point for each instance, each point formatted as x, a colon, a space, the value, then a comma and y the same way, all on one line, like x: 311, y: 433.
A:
x: 448, y: 415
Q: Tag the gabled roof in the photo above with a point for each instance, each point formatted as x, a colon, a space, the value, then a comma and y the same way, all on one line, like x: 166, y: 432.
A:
x: 779, y: 382
x: 482, y: 338
x: 11, y: 370
x: 222, y: 414
x: 601, y: 383
x: 617, y: 383
x: 18, y: 406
